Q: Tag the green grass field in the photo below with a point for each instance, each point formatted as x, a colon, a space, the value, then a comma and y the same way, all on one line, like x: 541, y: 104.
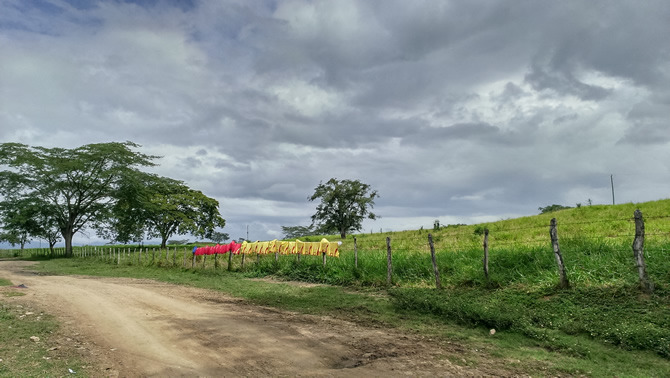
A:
x: 604, y: 304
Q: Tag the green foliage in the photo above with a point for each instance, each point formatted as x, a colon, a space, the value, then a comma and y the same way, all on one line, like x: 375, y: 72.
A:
x: 217, y: 237
x: 343, y: 205
x: 554, y: 207
x: 178, y: 242
x: 161, y: 207
x: 77, y: 184
x: 295, y: 232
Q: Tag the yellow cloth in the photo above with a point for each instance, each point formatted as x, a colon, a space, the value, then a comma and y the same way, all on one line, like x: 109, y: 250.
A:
x: 334, y: 249
x: 284, y: 248
x: 291, y: 248
x: 244, y: 248
x: 263, y: 247
x: 316, y: 248
x: 273, y: 246
x: 299, y: 247
x: 323, y: 246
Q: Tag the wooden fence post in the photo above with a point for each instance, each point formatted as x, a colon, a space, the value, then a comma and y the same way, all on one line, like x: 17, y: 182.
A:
x: 183, y: 264
x: 174, y: 256
x: 324, y: 258
x: 118, y: 256
x: 204, y: 261
x: 553, y: 233
x: 153, y: 255
x: 389, y: 268
x: 355, y: 253
x: 486, y: 253
x: 276, y: 256
x: 230, y: 260
x: 193, y: 261
x: 438, y: 283
x: 638, y: 251
x: 243, y: 256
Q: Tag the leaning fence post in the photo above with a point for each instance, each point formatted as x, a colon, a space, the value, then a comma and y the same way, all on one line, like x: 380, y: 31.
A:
x: 564, y: 284
x: 638, y: 251
x: 230, y: 260
x: 389, y: 268
x: 355, y: 253
x: 438, y: 283
x: 486, y: 253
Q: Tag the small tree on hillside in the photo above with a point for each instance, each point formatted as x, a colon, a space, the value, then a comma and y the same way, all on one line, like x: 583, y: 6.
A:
x: 344, y: 205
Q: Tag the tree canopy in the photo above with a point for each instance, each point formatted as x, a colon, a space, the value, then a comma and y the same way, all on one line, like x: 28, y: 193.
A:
x: 162, y: 207
x: 53, y: 192
x: 343, y: 205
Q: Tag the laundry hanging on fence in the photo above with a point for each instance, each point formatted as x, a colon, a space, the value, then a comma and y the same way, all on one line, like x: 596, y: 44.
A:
x: 218, y: 249
x: 273, y: 246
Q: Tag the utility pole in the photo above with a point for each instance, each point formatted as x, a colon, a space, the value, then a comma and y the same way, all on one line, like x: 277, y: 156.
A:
x: 247, y: 232
x: 612, y: 182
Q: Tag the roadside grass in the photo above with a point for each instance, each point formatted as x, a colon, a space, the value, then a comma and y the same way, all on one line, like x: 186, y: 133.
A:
x: 21, y: 356
x: 559, y: 351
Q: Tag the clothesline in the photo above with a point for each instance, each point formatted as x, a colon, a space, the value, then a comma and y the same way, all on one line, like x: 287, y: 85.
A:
x: 274, y: 246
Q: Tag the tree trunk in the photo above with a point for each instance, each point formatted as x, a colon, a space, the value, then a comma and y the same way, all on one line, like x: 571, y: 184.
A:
x: 68, y: 243
x: 343, y: 234
x: 163, y: 243
x: 51, y: 248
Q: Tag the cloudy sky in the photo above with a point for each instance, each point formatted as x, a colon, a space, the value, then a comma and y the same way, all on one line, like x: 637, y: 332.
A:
x: 462, y: 111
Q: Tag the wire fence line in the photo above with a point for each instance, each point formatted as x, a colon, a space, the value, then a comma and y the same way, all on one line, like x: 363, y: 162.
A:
x: 381, y: 249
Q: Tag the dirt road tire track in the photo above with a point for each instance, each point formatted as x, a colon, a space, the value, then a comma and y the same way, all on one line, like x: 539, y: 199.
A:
x: 148, y: 328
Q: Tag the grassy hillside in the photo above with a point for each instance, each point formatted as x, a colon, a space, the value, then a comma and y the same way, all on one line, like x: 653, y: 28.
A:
x: 603, y: 305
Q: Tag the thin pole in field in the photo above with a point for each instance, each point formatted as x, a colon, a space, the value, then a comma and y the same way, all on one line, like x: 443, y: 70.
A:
x: 638, y: 251
x: 389, y: 267
x: 355, y: 253
x: 486, y: 253
x: 438, y: 283
x: 553, y: 232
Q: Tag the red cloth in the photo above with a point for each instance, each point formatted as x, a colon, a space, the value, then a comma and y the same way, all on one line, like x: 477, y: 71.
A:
x: 235, y: 247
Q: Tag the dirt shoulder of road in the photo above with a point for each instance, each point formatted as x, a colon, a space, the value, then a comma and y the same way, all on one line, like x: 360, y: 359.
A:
x: 134, y: 327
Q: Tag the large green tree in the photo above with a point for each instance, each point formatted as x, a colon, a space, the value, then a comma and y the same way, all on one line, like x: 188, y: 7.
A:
x: 344, y: 205
x: 162, y: 207
x: 79, y: 184
x: 23, y: 218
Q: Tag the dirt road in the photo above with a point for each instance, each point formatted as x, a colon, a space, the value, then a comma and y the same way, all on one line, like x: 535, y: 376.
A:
x: 134, y: 327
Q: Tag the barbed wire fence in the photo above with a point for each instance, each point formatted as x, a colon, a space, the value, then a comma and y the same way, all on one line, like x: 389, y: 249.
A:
x: 431, y: 246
